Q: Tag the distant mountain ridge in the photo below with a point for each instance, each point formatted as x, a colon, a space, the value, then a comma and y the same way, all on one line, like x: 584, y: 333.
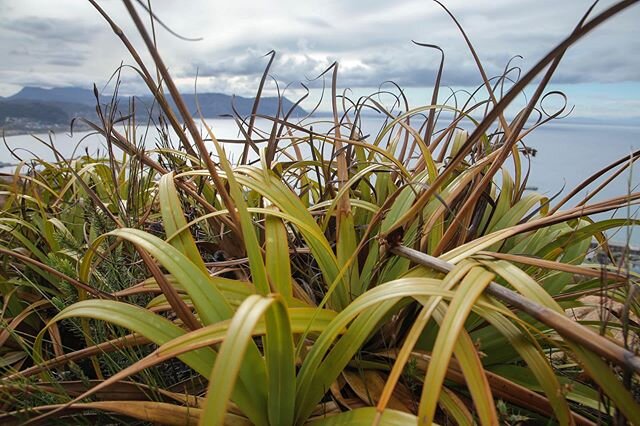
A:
x: 56, y: 94
x: 36, y: 108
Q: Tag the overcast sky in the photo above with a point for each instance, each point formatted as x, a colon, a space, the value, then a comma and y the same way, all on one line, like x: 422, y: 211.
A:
x: 66, y: 42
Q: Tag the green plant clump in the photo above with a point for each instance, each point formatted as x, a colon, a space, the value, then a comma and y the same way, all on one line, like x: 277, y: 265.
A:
x: 326, y: 277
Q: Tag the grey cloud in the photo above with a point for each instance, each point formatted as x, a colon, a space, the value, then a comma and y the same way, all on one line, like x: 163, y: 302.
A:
x: 287, y: 66
x: 419, y: 73
x: 239, y: 65
x: 51, y: 29
x: 51, y: 79
x: 371, y: 40
x: 411, y: 67
x: 316, y: 21
x: 38, y: 42
x: 39, y: 55
x: 66, y: 62
x: 498, y: 35
x: 18, y: 52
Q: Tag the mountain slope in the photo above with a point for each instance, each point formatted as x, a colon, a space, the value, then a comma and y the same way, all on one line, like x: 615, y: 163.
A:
x: 57, y: 94
x: 35, y: 108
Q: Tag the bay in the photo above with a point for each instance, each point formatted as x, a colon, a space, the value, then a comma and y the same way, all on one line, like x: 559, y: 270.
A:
x: 567, y: 153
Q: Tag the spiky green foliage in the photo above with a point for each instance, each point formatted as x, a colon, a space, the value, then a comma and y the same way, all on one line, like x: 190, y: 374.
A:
x: 406, y: 277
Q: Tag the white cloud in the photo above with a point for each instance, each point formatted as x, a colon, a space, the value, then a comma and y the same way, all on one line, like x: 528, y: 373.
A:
x: 67, y: 42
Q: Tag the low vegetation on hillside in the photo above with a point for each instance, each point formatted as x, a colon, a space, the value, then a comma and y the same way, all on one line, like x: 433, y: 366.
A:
x: 325, y: 276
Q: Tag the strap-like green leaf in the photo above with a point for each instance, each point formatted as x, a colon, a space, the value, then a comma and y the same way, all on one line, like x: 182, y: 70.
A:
x: 174, y: 221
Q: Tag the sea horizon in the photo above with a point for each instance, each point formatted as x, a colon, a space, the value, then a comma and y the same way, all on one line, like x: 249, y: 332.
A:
x: 567, y: 152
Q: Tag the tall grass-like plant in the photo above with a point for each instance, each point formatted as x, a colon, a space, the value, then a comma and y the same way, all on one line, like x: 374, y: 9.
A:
x: 406, y: 277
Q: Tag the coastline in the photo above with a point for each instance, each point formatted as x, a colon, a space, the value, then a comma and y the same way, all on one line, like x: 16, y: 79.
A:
x: 37, y: 129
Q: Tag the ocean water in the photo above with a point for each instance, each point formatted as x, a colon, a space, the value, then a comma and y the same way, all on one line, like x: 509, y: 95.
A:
x: 567, y: 153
